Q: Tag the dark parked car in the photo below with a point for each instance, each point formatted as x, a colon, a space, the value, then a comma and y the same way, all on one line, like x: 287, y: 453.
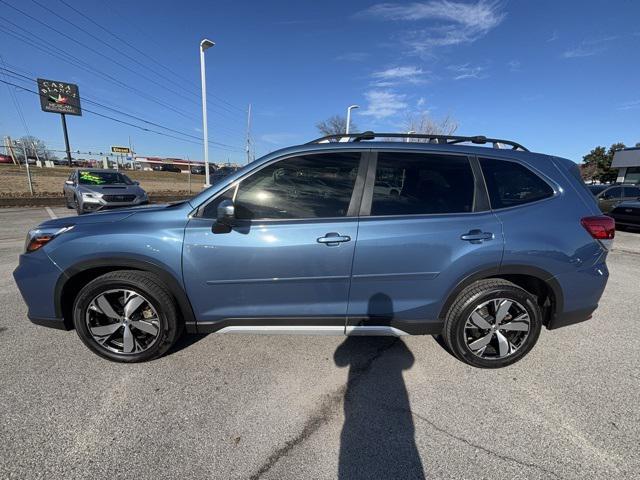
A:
x: 199, y: 170
x: 627, y: 214
x: 90, y: 190
x: 167, y: 167
x: 609, y: 196
x: 483, y: 246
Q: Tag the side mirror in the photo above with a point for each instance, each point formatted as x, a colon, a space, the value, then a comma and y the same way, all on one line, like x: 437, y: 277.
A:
x: 136, y: 182
x: 68, y: 182
x: 226, y: 213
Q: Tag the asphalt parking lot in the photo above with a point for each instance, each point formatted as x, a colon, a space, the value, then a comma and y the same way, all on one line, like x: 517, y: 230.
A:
x: 292, y: 407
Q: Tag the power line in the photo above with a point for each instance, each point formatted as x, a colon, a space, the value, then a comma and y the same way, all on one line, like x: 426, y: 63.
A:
x: 70, y: 58
x: 115, y: 108
x: 222, y: 146
x: 144, y: 54
x: 97, y: 52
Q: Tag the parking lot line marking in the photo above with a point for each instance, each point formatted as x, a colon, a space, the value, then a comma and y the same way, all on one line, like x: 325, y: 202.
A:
x: 50, y: 212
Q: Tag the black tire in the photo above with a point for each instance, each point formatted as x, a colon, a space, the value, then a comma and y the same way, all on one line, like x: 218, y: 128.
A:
x: 142, y: 283
x: 66, y: 201
x: 476, y: 294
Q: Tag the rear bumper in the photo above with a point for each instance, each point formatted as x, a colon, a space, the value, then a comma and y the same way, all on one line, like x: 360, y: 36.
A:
x: 570, y: 318
x: 582, y: 290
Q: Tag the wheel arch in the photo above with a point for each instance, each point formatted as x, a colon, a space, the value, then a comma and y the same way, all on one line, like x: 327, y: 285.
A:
x: 535, y: 280
x: 81, y: 273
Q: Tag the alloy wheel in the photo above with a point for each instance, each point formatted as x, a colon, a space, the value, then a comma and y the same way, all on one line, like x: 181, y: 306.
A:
x: 122, y: 321
x: 497, y: 328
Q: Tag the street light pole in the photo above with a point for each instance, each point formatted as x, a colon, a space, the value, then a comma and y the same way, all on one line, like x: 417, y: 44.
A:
x: 349, y: 116
x: 204, y: 44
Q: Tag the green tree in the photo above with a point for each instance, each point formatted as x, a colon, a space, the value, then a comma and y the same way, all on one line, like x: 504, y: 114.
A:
x: 597, y: 163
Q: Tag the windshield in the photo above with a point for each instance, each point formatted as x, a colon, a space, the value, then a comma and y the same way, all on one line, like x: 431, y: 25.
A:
x: 86, y: 177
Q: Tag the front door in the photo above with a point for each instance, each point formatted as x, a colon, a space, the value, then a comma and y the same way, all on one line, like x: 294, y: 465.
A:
x: 417, y: 240
x: 286, y: 262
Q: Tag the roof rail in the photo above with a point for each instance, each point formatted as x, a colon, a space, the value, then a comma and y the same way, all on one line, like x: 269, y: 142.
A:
x: 432, y: 138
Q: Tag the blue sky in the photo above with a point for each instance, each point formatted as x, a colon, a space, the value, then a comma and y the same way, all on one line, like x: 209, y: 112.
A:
x: 558, y: 76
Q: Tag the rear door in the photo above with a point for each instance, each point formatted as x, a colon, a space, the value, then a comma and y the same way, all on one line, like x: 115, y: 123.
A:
x: 631, y: 193
x: 418, y: 239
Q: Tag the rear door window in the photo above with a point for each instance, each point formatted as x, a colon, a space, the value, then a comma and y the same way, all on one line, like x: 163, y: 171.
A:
x: 631, y: 192
x: 615, y: 192
x: 511, y: 184
x: 416, y: 183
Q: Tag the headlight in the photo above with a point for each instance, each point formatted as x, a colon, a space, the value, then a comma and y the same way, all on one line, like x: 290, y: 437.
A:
x: 39, y: 237
x: 91, y: 195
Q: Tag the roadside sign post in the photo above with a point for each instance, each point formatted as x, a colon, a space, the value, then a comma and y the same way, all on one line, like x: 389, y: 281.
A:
x: 62, y: 98
x: 26, y: 163
x: 66, y: 138
x: 119, y: 151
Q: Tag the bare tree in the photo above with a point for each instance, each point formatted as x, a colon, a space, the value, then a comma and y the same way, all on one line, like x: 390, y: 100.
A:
x: 335, y: 125
x: 423, y: 123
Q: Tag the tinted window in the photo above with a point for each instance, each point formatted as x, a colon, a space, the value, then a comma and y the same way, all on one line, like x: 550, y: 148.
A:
x: 615, y: 192
x: 411, y: 183
x: 511, y: 184
x: 596, y: 189
x: 312, y: 186
x: 631, y: 192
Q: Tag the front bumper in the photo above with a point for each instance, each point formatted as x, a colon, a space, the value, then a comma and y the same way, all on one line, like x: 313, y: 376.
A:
x: 36, y: 276
x: 99, y: 204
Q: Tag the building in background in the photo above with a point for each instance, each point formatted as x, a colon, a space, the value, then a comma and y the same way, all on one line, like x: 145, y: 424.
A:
x: 627, y: 161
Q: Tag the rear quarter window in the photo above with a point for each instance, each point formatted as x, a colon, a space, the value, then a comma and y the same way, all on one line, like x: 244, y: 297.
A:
x: 511, y: 184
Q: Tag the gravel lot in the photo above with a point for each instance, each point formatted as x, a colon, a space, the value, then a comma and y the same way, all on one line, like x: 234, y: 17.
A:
x: 292, y: 407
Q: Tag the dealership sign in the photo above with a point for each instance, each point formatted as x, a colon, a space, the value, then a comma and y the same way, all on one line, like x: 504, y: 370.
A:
x: 126, y: 150
x: 59, y: 97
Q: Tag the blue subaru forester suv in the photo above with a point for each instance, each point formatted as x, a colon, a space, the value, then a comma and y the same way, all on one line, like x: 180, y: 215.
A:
x: 346, y: 235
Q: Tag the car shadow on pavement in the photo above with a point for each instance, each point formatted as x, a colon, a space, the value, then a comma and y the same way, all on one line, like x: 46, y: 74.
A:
x: 378, y: 435
x: 185, y: 341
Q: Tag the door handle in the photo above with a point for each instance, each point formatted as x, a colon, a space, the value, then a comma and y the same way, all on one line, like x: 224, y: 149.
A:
x: 476, y: 236
x: 333, y: 239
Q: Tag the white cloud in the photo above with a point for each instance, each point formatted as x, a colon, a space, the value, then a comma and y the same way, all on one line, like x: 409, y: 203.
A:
x: 409, y: 74
x: 464, y: 71
x: 554, y: 36
x: 589, y: 47
x: 421, y: 102
x: 583, y: 51
x: 629, y: 105
x: 384, y: 103
x: 514, y: 65
x: 457, y: 22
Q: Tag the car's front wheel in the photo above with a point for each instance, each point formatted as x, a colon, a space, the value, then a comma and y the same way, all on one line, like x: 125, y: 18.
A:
x: 126, y: 316
x: 492, y: 323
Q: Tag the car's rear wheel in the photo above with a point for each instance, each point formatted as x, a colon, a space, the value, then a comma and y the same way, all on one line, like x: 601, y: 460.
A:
x: 126, y: 316
x: 492, y: 323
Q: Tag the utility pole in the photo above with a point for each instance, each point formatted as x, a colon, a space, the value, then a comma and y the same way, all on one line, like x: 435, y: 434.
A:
x: 249, y: 134
x: 66, y: 138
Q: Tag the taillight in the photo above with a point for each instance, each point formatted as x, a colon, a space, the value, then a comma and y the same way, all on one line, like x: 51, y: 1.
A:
x: 601, y: 228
